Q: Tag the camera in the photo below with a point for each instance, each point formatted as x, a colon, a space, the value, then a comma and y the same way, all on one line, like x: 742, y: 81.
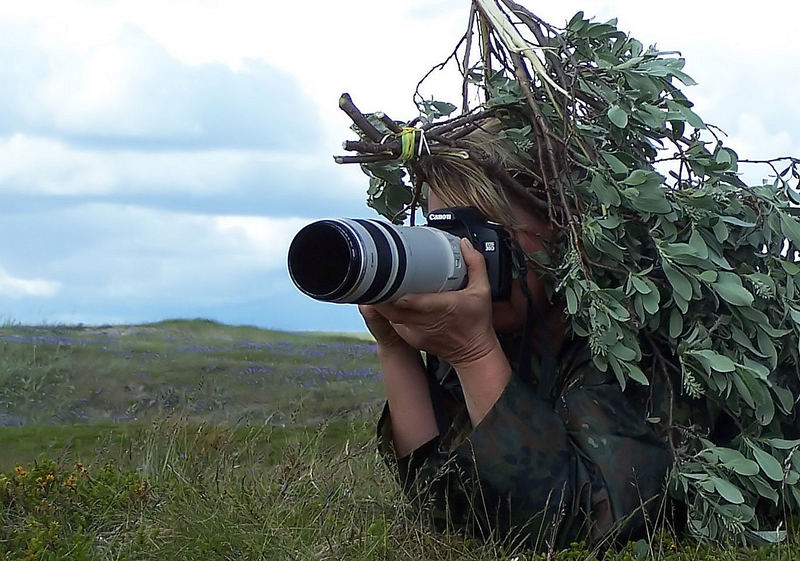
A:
x: 363, y: 261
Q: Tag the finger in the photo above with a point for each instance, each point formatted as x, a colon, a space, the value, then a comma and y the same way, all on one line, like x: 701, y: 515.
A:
x: 425, y: 303
x: 476, y: 265
x: 368, y: 312
x: 414, y: 309
x: 373, y: 318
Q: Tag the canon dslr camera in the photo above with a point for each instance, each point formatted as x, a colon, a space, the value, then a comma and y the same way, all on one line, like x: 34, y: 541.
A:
x: 361, y: 261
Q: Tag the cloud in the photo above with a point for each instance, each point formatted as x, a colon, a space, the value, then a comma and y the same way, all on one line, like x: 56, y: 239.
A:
x: 14, y: 287
x: 111, y: 263
x: 752, y: 140
x: 105, y: 113
x: 47, y: 172
x: 99, y: 253
x: 127, y: 91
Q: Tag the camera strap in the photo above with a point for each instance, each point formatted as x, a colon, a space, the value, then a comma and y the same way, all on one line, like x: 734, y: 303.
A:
x: 547, y: 364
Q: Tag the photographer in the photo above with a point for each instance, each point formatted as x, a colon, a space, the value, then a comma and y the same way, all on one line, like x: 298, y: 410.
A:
x: 487, y: 445
x: 643, y: 373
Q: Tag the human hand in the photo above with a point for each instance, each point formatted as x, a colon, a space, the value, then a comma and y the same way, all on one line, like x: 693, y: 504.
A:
x: 454, y: 325
x: 381, y: 329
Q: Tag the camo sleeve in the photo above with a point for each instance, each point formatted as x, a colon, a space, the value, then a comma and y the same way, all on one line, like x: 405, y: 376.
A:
x: 583, y: 467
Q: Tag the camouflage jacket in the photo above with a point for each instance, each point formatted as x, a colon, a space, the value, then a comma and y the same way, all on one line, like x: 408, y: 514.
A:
x: 581, y: 463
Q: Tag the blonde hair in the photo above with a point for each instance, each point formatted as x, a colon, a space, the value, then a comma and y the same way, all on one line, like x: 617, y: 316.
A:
x: 458, y: 181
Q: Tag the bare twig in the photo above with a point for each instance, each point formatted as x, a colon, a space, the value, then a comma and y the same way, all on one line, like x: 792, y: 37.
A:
x: 390, y: 124
x: 467, y: 50
x: 365, y: 159
x: 346, y: 104
x: 440, y: 66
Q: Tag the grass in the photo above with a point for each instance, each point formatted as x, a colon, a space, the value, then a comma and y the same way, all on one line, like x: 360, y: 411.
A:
x: 213, y: 373
x: 279, y: 462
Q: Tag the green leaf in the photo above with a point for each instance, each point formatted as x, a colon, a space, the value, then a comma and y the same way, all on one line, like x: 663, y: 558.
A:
x: 637, y: 375
x: 742, y: 466
x: 729, y: 287
x: 633, y: 61
x: 714, y: 360
x: 637, y: 177
x: 736, y: 222
x: 766, y: 346
x: 723, y: 157
x: 614, y: 163
x: 680, y: 302
x: 618, y: 116
x: 728, y: 490
x: 741, y: 339
x: 743, y: 382
x: 675, y: 323
x: 769, y: 465
x: 622, y: 352
x: 720, y: 231
x: 610, y: 222
x: 647, y: 88
x: 708, y: 276
x: 680, y: 283
x: 785, y: 399
x: 765, y: 407
x: 699, y: 245
x: 651, y: 198
x: 640, y: 285
x: 651, y: 301
x: 764, y: 489
x: 770, y: 536
x: 444, y: 108
x: 436, y: 109
x: 686, y: 114
x: 651, y: 116
x: 618, y: 373
x: 782, y: 444
x: 790, y: 228
x: 607, y: 194
x: 572, y: 300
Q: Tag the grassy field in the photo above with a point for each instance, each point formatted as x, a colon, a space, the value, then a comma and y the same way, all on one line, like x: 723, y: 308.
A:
x: 194, y: 440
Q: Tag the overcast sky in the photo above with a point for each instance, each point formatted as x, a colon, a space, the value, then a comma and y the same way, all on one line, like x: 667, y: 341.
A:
x: 156, y: 157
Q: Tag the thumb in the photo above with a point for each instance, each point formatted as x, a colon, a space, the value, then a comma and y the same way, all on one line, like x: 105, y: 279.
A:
x: 476, y: 265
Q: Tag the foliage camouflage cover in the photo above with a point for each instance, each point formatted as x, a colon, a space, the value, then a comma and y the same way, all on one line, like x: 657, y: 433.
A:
x: 682, y: 277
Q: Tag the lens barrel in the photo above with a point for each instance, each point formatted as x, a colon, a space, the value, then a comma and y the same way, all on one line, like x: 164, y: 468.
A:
x: 360, y: 261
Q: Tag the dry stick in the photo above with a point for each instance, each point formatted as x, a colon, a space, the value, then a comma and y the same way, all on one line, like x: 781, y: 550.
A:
x: 346, y: 105
x: 530, y: 20
x: 772, y: 160
x: 499, y: 54
x: 483, y: 29
x: 456, y: 122
x: 468, y: 48
x: 535, y: 24
x: 365, y: 159
x: 524, y: 78
x: 539, y: 123
x: 534, y: 60
x: 392, y: 147
x: 412, y: 206
x: 465, y: 131
x: 439, y: 66
x: 521, y: 71
x: 540, y: 157
x: 390, y: 124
